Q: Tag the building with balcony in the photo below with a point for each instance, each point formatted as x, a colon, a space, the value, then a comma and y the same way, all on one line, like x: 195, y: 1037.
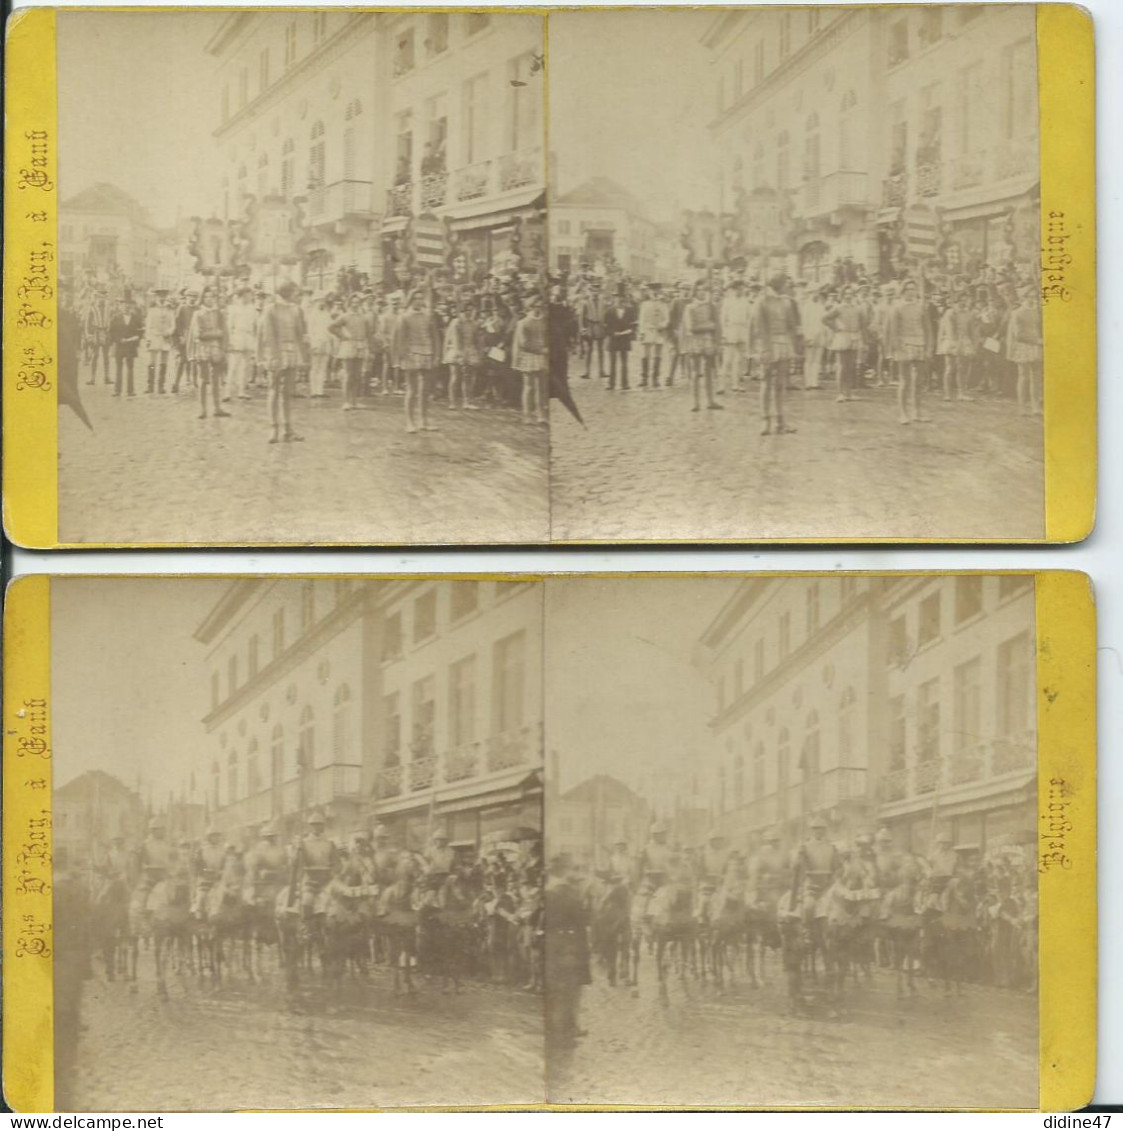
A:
x: 289, y: 706
x: 891, y: 135
x: 795, y: 92
x: 466, y: 101
x: 458, y: 741
x: 792, y: 726
x: 908, y: 702
x: 303, y: 139
x: 959, y: 130
x: 106, y: 237
x: 959, y: 749
x: 88, y: 812
x: 600, y: 223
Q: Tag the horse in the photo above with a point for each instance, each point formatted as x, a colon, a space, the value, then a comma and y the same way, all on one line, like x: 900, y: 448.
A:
x: 900, y: 928
x: 346, y: 924
x: 167, y: 914
x: 107, y: 922
x: 794, y: 936
x: 397, y: 924
x: 848, y: 904
x: 611, y: 928
x: 727, y: 928
x: 224, y: 919
x: 299, y: 937
x: 674, y: 928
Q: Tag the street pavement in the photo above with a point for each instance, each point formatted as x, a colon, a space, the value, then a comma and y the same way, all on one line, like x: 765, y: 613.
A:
x: 150, y: 471
x: 647, y: 468
x: 245, y: 1045
x: 742, y: 1047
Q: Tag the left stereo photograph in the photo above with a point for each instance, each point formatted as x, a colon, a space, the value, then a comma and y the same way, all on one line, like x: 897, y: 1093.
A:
x: 284, y: 278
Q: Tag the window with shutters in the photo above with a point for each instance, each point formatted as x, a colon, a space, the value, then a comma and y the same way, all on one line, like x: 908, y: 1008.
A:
x: 317, y: 157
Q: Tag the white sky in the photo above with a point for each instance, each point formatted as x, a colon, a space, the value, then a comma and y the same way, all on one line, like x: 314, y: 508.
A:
x: 136, y: 107
x: 129, y: 683
x: 630, y: 100
x: 622, y: 697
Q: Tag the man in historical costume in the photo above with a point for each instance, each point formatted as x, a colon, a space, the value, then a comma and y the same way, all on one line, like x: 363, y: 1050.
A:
x: 715, y: 858
x: 313, y: 865
x: 655, y: 859
x: 156, y: 857
x: 95, y: 329
x: 676, y: 310
x: 283, y: 348
x: 654, y: 317
x: 620, y: 861
x: 207, y: 865
x: 814, y: 867
x: 941, y: 860
x: 159, y: 328
x: 888, y: 860
x: 776, y: 339
x: 242, y: 321
x: 770, y: 872
x: 185, y: 362
x: 439, y: 858
x: 736, y: 313
x: 206, y: 343
x: 266, y: 867
x: 568, y: 965
x: 590, y: 320
x: 385, y: 857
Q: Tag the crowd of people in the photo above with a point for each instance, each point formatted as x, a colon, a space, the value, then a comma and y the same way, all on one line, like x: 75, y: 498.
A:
x: 343, y: 886
x: 467, y: 345
x: 973, y: 914
x: 959, y: 337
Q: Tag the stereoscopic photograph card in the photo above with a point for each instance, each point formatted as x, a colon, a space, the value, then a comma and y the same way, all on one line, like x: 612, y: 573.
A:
x: 730, y: 841
x: 575, y: 276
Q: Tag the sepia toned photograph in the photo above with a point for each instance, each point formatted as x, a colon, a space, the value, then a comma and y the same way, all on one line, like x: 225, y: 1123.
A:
x: 791, y: 841
x: 796, y: 256
x: 301, y: 272
x: 297, y: 841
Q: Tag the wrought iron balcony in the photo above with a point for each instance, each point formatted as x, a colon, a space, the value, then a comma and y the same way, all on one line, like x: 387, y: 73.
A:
x: 471, y: 182
x: 434, y: 191
x: 894, y: 190
x: 507, y: 749
x: 462, y: 762
x: 1009, y: 754
x: 967, y: 765
x: 895, y: 785
x: 339, y: 200
x: 422, y: 771
x: 520, y: 169
x: 399, y: 200
x: 969, y: 171
x: 388, y: 782
x: 929, y: 178
x: 926, y: 776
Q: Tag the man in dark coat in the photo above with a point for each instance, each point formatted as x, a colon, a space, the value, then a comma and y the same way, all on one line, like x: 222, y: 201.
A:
x: 567, y: 952
x: 125, y: 330
x: 620, y: 321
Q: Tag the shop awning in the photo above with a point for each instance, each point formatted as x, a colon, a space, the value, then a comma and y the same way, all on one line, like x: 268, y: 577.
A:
x: 971, y: 205
x: 473, y: 797
x: 491, y: 212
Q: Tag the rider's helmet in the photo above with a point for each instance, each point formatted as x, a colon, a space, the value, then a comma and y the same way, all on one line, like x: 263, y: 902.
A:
x: 316, y: 818
x: 883, y: 835
x: 269, y: 830
x: 659, y: 829
x: 771, y: 836
x: 817, y: 822
x: 157, y: 824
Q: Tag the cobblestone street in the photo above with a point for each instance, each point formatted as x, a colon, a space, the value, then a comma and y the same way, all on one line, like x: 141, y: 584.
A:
x: 245, y: 1045
x: 151, y: 472
x: 647, y: 468
x: 742, y: 1047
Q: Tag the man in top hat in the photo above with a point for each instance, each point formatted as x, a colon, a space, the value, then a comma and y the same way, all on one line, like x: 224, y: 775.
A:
x: 776, y: 335
x: 159, y: 328
x: 313, y: 865
x: 814, y: 868
x: 125, y: 331
x: 735, y: 316
x: 654, y: 317
x: 676, y: 310
x: 568, y: 965
x: 590, y: 321
x: 620, y: 321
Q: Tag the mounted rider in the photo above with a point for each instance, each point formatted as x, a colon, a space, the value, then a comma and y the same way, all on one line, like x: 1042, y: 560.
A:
x: 313, y: 865
x: 384, y: 860
x: 770, y: 872
x: 655, y: 859
x: 157, y: 857
x: 266, y: 864
x: 714, y: 859
x: 439, y: 857
x: 814, y: 867
x: 620, y: 861
x: 207, y: 866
